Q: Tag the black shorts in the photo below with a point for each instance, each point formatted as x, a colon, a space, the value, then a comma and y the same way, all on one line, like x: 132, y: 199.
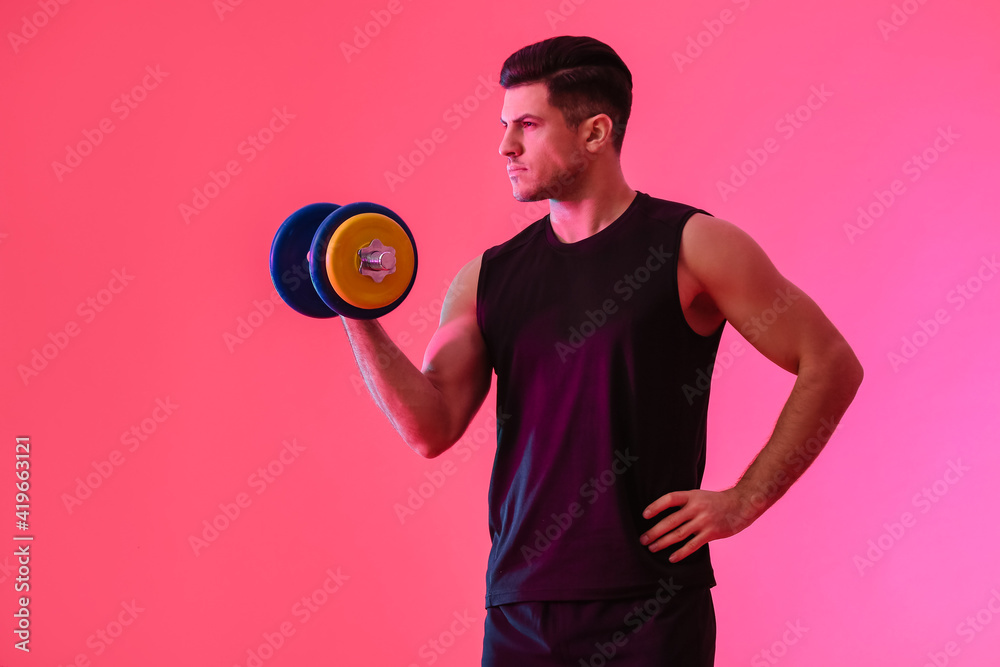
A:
x: 624, y: 632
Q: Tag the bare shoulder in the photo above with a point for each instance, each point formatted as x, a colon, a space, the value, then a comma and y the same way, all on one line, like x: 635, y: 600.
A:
x: 456, y: 360
x: 470, y: 272
x: 710, y: 246
x: 722, y: 261
x: 729, y: 273
x: 461, y: 296
x: 713, y: 253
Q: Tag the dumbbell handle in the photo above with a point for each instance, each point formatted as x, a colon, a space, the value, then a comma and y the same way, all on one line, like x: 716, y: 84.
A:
x: 377, y: 260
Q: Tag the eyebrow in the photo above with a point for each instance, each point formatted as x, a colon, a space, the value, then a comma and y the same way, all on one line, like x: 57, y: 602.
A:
x: 521, y: 117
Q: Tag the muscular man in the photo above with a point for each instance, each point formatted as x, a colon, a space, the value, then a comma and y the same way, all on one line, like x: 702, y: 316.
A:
x: 600, y: 320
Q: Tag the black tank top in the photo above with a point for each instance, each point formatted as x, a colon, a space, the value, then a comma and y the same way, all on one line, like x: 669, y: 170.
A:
x: 592, y: 354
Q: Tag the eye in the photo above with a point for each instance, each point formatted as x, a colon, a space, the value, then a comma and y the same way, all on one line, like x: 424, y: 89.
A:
x: 527, y: 123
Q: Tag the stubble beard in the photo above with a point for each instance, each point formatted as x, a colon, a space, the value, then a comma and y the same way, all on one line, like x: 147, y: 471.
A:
x: 558, y: 185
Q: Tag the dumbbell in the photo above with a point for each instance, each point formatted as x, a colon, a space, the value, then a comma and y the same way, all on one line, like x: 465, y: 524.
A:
x: 358, y: 260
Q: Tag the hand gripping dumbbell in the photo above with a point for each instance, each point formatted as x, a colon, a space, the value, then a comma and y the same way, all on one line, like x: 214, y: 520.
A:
x: 357, y: 260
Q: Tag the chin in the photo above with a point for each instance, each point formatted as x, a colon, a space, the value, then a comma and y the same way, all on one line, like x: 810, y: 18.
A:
x: 525, y: 199
x: 528, y: 196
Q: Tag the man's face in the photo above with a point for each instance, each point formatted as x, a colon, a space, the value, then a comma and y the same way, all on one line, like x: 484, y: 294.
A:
x: 544, y: 157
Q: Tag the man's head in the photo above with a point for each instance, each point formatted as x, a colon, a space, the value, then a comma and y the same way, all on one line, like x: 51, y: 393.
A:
x: 567, y: 103
x: 584, y: 78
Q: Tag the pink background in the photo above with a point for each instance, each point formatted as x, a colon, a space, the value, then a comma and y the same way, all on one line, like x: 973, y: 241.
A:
x: 192, y: 323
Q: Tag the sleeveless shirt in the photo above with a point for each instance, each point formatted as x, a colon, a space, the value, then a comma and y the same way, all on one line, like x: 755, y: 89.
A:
x: 592, y: 355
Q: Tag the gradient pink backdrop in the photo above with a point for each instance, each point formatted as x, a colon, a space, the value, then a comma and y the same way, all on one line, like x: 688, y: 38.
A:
x: 179, y: 328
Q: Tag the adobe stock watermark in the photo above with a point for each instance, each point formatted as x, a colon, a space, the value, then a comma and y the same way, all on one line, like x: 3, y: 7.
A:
x: 422, y: 318
x: 223, y: 7
x: 259, y: 481
x: 540, y: 207
x: 591, y: 490
x: 625, y: 287
x: 898, y: 17
x: 364, y: 34
x: 470, y: 443
x: 454, y: 116
x: 59, y: 340
x: 958, y: 297
x: 32, y: 23
x: 924, y: 501
x: 248, y: 149
x: 635, y: 619
x: 968, y: 629
x: 23, y: 553
x: 796, y: 462
x: 303, y: 610
x: 914, y: 167
x: 122, y: 107
x: 433, y: 649
x: 562, y: 11
x: 531, y: 212
x: 7, y: 570
x: 245, y: 327
x: 719, y: 365
x: 104, y: 637
x: 786, y: 126
x: 699, y: 42
x: 752, y: 331
x: 133, y: 438
x: 773, y: 654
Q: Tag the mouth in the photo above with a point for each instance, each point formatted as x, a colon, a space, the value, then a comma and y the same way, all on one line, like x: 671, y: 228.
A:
x: 513, y: 170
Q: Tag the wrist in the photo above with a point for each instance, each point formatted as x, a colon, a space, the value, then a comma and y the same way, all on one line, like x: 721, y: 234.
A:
x: 749, y: 502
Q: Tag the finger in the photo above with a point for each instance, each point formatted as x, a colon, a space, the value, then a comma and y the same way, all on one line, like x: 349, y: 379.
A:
x: 659, y: 530
x: 666, y: 525
x: 688, y: 549
x: 679, y: 534
x: 673, y: 499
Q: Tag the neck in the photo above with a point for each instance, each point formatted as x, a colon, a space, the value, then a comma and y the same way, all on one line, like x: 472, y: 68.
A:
x: 602, y: 197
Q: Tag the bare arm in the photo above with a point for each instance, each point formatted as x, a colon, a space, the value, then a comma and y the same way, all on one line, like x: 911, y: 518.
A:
x: 738, y: 282
x: 432, y: 407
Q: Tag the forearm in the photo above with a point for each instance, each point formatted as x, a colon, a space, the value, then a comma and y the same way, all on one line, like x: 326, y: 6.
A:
x: 821, y: 394
x: 414, y: 406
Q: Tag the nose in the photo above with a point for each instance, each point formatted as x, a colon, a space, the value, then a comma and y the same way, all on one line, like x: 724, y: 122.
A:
x: 509, y: 147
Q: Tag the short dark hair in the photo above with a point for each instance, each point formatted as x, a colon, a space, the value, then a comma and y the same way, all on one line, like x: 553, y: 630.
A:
x: 584, y: 77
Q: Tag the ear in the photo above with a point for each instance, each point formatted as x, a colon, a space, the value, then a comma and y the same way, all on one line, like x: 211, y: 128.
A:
x: 596, y: 132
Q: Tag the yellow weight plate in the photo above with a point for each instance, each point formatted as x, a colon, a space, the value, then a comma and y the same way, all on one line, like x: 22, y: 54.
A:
x: 342, y: 261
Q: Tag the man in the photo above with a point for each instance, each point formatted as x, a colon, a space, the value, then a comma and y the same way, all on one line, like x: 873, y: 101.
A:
x: 599, y: 320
